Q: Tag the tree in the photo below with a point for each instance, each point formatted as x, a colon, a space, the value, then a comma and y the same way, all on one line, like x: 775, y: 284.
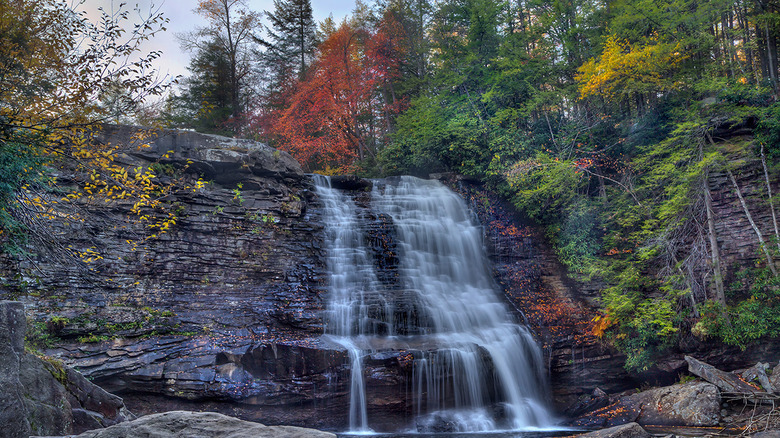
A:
x: 335, y: 114
x: 204, y: 100
x: 230, y: 31
x: 55, y: 66
x: 291, y: 39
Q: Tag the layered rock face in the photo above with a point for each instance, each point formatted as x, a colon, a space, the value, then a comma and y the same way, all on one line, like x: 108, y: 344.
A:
x: 224, y: 308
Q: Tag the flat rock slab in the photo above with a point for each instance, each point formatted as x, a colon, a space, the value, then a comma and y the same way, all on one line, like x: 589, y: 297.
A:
x: 176, y: 424
x: 630, y: 430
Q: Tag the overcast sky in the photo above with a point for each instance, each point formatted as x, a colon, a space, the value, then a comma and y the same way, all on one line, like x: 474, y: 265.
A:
x: 174, y: 61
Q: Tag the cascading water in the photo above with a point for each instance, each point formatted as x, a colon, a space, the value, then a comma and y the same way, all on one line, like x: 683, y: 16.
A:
x: 474, y: 368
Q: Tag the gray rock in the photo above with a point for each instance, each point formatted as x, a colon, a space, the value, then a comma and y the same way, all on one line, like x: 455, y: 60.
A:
x: 690, y: 404
x: 693, y: 404
x: 176, y: 424
x: 42, y: 396
x: 767, y: 434
x: 630, y: 430
x: 13, y: 413
x: 727, y: 382
x: 758, y: 373
x: 774, y: 379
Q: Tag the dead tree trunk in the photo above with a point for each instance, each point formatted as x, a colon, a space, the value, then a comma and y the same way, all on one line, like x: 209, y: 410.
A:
x: 769, y: 193
x: 770, y: 261
x: 720, y: 294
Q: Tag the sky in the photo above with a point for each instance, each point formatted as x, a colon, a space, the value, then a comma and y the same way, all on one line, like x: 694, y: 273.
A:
x: 174, y: 60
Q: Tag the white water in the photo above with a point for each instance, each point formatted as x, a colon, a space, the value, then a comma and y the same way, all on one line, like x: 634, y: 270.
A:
x: 474, y: 367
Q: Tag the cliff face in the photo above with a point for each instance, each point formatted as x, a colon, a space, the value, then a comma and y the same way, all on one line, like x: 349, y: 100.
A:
x: 226, y: 309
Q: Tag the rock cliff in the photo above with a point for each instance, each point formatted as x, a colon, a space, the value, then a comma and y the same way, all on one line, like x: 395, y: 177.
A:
x: 225, y: 310
x: 43, y: 397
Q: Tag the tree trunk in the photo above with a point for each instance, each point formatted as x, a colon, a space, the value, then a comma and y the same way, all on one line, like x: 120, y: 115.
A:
x: 769, y: 193
x: 761, y: 46
x: 717, y: 274
x: 769, y: 260
x: 720, y: 294
x: 771, y: 56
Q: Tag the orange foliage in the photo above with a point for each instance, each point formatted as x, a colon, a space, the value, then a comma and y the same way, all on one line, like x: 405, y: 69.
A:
x: 327, y: 121
x: 600, y: 324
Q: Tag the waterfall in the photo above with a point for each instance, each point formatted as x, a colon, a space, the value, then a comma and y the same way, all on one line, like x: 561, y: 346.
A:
x: 475, y: 368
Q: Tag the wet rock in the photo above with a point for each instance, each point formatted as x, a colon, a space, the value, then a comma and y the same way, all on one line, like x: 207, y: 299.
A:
x: 588, y: 403
x: 727, y: 382
x: 200, y: 424
x: 350, y: 183
x: 630, y: 430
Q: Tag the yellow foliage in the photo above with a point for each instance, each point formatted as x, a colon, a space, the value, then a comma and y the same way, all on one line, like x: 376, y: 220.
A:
x: 626, y: 69
x: 600, y: 324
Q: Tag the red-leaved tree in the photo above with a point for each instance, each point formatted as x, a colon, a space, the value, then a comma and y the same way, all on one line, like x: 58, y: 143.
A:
x: 343, y: 108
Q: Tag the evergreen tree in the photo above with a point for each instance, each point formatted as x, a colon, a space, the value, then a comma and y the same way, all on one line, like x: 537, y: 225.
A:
x: 227, y: 37
x: 291, y: 41
x: 204, y: 102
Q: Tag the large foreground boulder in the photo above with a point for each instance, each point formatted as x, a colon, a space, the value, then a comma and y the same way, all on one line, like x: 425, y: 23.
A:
x: 41, y: 396
x: 176, y: 424
x: 694, y: 404
x: 630, y: 430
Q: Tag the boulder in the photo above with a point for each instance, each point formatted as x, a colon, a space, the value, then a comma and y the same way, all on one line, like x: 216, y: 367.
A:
x: 42, y: 396
x: 630, y: 430
x: 727, y: 382
x: 13, y: 412
x: 774, y: 379
x: 692, y: 404
x: 588, y: 403
x: 200, y: 424
x: 758, y: 373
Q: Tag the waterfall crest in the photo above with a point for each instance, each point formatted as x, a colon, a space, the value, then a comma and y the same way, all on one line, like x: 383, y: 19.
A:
x: 474, y: 368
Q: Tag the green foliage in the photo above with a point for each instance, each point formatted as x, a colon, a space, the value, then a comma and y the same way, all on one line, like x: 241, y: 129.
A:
x: 768, y: 131
x: 205, y: 100
x: 39, y: 336
x: 748, y: 319
x: 431, y: 137
x: 578, y: 244
x: 22, y: 161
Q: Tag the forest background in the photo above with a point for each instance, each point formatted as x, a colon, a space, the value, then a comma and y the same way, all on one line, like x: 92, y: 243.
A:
x: 603, y: 121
